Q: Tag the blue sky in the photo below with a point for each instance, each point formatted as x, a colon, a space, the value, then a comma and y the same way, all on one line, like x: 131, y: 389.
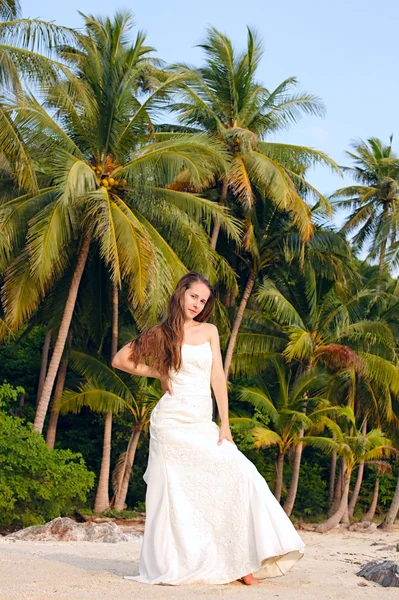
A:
x: 345, y: 52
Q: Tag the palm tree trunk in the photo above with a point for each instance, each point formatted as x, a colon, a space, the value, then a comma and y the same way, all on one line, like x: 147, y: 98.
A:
x: 53, y: 422
x: 383, y: 248
x: 115, y: 311
x: 393, y: 510
x: 278, y: 484
x: 101, y: 502
x: 369, y: 516
x: 59, y: 388
x: 381, y: 266
x: 237, y: 322
x: 359, y: 479
x: 43, y: 364
x: 130, y: 454
x: 335, y: 519
x: 290, y: 500
x: 231, y: 295
x: 345, y: 516
x: 356, y: 490
x: 62, y: 335
x: 333, y: 470
x: 337, y: 491
x: 216, y: 227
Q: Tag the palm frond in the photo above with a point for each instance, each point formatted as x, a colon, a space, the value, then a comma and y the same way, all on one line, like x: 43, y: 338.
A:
x: 258, y: 398
x: 276, y: 305
x: 381, y: 371
x: 264, y: 437
x: 93, y: 368
x: 21, y: 293
x: 92, y: 396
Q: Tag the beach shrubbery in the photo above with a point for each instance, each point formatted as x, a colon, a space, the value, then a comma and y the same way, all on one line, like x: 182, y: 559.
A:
x: 37, y: 484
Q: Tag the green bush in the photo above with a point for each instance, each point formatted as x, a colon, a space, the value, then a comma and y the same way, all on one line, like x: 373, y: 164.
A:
x: 9, y: 395
x: 312, y: 496
x: 37, y: 484
x: 20, y: 361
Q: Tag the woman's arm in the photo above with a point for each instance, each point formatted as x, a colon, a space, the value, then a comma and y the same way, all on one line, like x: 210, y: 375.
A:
x: 122, y: 362
x: 219, y: 386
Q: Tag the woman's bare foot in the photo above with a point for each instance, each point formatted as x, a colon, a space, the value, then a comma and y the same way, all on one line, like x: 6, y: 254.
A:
x: 250, y: 580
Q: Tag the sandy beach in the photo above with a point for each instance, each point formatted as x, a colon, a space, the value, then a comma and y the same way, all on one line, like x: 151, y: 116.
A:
x: 90, y: 571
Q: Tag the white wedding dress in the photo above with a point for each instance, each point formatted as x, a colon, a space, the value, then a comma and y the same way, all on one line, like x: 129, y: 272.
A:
x: 210, y: 516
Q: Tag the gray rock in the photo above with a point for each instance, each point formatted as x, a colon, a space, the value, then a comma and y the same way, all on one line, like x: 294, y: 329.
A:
x: 363, y: 526
x: 391, y: 547
x: 385, y: 573
x: 66, y: 530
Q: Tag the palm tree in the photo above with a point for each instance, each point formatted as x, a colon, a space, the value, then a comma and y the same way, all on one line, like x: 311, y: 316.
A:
x: 22, y: 42
x: 372, y: 400
x: 147, y: 399
x: 272, y: 244
x: 393, y: 510
x: 95, y: 324
x: 224, y: 99
x: 353, y: 448
x: 27, y: 57
x: 359, y: 479
x: 106, y: 186
x: 104, y: 391
x: 9, y: 9
x: 293, y: 406
x: 276, y: 249
x: 324, y: 324
x: 260, y: 250
x: 373, y: 199
x: 58, y: 390
x: 381, y: 469
x: 102, y: 500
x: 44, y: 362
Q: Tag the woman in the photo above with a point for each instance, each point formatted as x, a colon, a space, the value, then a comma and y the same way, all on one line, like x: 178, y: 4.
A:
x: 210, y: 516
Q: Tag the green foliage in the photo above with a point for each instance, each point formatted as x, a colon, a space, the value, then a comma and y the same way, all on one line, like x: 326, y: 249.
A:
x: 312, y: 495
x: 387, y: 486
x: 37, y: 484
x: 264, y: 460
x: 9, y: 395
x: 373, y: 200
x: 20, y: 360
x: 151, y: 195
x: 140, y: 507
x: 385, y: 492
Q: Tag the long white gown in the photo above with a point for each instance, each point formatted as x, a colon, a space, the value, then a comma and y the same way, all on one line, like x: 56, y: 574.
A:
x: 210, y: 516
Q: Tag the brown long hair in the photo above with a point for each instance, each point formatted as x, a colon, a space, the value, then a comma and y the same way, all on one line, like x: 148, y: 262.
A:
x: 160, y: 345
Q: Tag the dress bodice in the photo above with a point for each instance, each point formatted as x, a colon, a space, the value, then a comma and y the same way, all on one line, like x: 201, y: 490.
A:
x: 194, y: 376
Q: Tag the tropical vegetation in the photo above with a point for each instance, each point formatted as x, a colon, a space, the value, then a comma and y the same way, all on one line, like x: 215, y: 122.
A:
x: 105, y: 204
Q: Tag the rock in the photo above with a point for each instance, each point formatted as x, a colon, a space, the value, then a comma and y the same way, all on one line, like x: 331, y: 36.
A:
x: 385, y: 573
x: 391, y: 547
x: 66, y: 530
x: 363, y: 526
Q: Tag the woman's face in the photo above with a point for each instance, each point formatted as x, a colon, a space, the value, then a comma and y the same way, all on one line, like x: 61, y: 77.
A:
x: 195, y: 298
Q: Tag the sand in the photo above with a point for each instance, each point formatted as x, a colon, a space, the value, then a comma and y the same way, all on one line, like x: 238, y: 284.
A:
x: 93, y: 571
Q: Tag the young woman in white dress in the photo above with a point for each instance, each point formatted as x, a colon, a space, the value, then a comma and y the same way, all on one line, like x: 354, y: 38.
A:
x: 210, y: 516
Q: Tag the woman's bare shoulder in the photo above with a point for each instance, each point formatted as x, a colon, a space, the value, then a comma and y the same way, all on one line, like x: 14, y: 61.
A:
x: 211, y: 330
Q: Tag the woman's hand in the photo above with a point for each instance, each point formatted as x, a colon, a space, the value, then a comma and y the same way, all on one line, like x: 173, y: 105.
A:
x: 225, y: 434
x: 166, y: 384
